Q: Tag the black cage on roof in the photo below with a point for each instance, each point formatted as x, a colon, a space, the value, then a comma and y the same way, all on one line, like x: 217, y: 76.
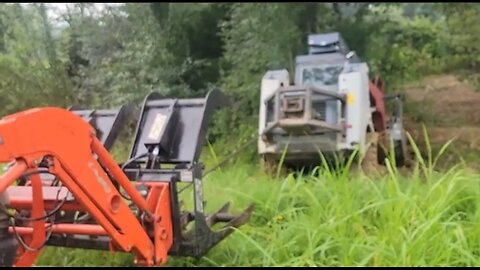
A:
x: 327, y: 43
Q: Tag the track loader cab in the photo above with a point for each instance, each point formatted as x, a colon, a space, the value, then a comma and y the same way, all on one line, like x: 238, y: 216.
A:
x: 327, y: 60
x: 325, y: 110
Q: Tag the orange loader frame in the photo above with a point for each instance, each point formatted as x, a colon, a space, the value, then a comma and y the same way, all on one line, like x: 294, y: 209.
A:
x: 58, y: 142
x: 69, y: 145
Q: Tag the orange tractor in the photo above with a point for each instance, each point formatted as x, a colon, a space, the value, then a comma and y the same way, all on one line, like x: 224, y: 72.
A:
x: 61, y: 186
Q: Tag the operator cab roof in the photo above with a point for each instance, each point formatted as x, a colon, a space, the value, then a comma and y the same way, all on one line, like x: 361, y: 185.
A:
x: 327, y: 43
x: 328, y: 46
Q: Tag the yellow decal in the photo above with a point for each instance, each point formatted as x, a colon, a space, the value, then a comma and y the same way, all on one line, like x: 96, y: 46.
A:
x: 157, y: 127
x: 350, y: 98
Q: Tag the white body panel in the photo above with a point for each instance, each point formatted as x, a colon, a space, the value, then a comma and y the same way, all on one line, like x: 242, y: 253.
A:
x: 354, y: 82
x: 271, y: 81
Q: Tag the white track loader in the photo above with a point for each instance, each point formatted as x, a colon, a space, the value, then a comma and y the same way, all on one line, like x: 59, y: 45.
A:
x: 327, y: 110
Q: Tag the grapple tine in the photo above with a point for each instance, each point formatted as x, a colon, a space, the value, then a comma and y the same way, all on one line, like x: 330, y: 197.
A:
x: 212, y: 217
x: 241, y: 219
x: 202, y: 238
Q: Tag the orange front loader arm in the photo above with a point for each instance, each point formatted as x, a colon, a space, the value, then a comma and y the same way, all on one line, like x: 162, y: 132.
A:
x: 62, y: 188
x: 66, y: 145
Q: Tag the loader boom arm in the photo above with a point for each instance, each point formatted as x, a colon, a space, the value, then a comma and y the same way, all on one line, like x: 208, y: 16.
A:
x: 63, y: 143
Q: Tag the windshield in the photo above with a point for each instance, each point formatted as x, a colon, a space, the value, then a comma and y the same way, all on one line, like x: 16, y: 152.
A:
x: 327, y: 75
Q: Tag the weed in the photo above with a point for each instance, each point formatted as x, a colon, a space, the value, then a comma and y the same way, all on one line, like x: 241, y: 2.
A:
x: 335, y: 219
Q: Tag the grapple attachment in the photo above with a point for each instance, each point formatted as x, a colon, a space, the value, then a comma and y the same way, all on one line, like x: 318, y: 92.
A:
x: 169, y: 138
x: 107, y: 123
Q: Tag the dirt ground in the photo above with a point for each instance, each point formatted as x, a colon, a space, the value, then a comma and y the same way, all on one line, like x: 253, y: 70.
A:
x: 449, y: 109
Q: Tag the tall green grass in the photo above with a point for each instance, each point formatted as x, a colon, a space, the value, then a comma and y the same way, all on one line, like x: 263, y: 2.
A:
x: 427, y: 218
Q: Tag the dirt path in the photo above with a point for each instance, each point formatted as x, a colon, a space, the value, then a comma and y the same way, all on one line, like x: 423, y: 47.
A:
x: 449, y: 109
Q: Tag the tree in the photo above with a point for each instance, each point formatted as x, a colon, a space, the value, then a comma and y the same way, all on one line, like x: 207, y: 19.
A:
x: 31, y: 76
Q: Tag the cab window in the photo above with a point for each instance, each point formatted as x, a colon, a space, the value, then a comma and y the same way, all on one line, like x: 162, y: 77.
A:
x: 321, y: 75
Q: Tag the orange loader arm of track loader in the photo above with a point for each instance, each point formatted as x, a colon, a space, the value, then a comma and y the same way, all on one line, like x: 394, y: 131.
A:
x: 69, y: 147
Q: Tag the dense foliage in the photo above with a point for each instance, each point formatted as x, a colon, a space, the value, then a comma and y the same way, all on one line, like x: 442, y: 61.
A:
x: 106, y: 55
